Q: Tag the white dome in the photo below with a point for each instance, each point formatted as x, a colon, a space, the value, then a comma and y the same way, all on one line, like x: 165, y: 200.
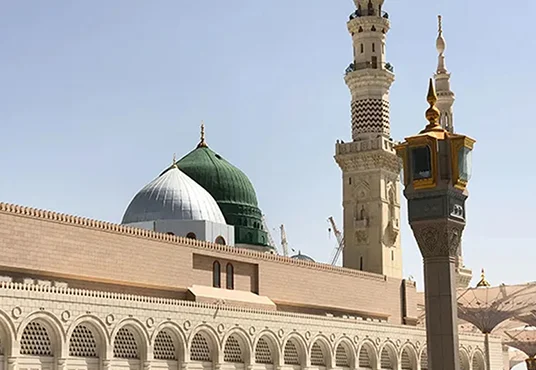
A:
x: 173, y: 196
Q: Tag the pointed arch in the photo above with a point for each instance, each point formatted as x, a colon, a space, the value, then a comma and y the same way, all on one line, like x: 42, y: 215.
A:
x: 87, y: 337
x: 267, y: 349
x: 388, y: 358
x: 367, y: 357
x: 345, y: 354
x: 7, y: 334
x: 294, y: 350
x: 478, y: 361
x: 168, y: 342
x: 129, y: 340
x: 236, y: 347
x: 45, y: 336
x: 423, y: 358
x: 203, y: 345
x: 464, y: 359
x: 320, y: 352
x: 408, y: 357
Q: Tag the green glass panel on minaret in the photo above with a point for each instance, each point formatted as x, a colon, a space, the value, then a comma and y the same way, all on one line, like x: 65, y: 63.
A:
x: 465, y: 156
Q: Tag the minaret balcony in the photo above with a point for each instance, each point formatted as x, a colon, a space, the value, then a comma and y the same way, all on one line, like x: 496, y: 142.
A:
x: 368, y: 24
x: 380, y: 143
x: 368, y: 13
x: 369, y: 65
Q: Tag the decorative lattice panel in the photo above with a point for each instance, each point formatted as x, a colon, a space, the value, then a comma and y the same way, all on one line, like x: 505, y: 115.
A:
x: 164, y: 348
x: 424, y: 359
x: 405, y: 361
x: 364, y: 358
x: 341, y: 356
x: 370, y: 116
x: 263, y: 354
x: 82, y: 343
x: 385, y: 360
x: 200, y: 350
x: 464, y: 361
x: 35, y: 340
x: 125, y: 345
x: 317, y: 356
x: 291, y: 355
x: 478, y: 363
x: 232, y: 351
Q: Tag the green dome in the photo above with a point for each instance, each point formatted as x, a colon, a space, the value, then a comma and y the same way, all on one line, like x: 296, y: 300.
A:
x: 231, y: 189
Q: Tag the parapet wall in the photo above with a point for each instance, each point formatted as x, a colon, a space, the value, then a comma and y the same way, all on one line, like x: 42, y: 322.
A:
x: 56, y: 246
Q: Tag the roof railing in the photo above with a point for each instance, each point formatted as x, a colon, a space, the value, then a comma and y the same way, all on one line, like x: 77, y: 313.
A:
x: 368, y: 65
x: 367, y: 13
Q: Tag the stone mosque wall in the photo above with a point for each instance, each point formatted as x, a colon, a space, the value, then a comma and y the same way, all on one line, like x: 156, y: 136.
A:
x: 46, y: 327
x: 97, y: 255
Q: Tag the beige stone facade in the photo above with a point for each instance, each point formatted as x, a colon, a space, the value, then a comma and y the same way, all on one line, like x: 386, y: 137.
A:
x: 83, y: 294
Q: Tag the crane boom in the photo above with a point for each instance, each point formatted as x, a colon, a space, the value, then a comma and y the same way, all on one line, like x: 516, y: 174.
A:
x: 340, y: 241
x: 284, y: 242
x: 271, y: 241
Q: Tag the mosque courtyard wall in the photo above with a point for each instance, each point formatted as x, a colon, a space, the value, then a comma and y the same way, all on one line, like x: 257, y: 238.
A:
x: 58, y: 328
x: 98, y: 255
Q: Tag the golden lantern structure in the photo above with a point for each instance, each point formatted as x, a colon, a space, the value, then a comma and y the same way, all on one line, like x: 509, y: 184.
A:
x: 437, y: 168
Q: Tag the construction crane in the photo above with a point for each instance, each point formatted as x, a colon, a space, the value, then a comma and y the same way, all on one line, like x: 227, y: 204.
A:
x: 284, y: 243
x: 340, y: 242
x: 271, y: 241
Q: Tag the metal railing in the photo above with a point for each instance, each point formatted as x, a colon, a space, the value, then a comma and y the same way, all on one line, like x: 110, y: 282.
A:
x: 367, y: 13
x: 368, y: 65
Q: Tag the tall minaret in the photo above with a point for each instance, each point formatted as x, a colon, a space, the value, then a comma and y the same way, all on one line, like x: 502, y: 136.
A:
x: 445, y: 96
x: 445, y: 102
x: 369, y: 164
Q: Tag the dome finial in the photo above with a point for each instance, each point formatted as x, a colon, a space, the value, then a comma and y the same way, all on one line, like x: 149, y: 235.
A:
x: 483, y: 282
x: 174, y: 160
x: 440, y: 26
x: 202, y: 143
x: 432, y: 113
x: 441, y: 46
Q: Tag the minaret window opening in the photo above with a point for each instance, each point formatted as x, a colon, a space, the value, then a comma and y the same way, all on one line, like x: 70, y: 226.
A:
x: 392, y: 255
x: 361, y: 263
x: 373, y: 47
x: 216, y: 274
x: 362, y: 48
x: 191, y: 236
x: 230, y: 276
x: 350, y: 181
x: 370, y: 8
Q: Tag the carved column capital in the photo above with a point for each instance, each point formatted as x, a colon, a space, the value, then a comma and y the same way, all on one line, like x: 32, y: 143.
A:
x: 440, y: 238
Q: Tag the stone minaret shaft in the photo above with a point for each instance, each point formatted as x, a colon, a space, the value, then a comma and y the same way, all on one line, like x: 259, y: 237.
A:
x: 369, y: 164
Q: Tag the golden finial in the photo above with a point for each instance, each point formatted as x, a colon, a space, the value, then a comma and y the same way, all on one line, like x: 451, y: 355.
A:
x: 440, y: 25
x: 483, y: 282
x: 432, y: 113
x: 202, y: 143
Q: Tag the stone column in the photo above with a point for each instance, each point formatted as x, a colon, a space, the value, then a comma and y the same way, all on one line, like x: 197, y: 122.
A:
x: 61, y: 364
x: 106, y: 365
x: 531, y: 363
x: 12, y: 363
x: 146, y: 365
x: 439, y: 241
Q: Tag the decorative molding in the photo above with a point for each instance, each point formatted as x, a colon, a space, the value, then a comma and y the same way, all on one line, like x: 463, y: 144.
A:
x: 438, y: 238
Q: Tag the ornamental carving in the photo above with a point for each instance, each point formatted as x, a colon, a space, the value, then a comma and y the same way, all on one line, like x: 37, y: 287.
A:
x: 361, y: 237
x: 361, y: 190
x: 438, y: 239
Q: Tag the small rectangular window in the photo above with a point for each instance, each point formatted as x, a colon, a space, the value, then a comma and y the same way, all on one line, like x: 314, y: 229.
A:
x: 362, y: 48
x: 350, y: 180
x: 373, y: 47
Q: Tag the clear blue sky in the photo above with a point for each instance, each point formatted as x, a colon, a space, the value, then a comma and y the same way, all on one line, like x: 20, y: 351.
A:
x: 96, y: 96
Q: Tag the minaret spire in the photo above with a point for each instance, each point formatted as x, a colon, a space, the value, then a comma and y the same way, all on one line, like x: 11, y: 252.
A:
x: 445, y: 96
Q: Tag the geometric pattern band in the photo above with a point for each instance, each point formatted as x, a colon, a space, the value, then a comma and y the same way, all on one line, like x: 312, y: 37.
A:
x: 370, y: 116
